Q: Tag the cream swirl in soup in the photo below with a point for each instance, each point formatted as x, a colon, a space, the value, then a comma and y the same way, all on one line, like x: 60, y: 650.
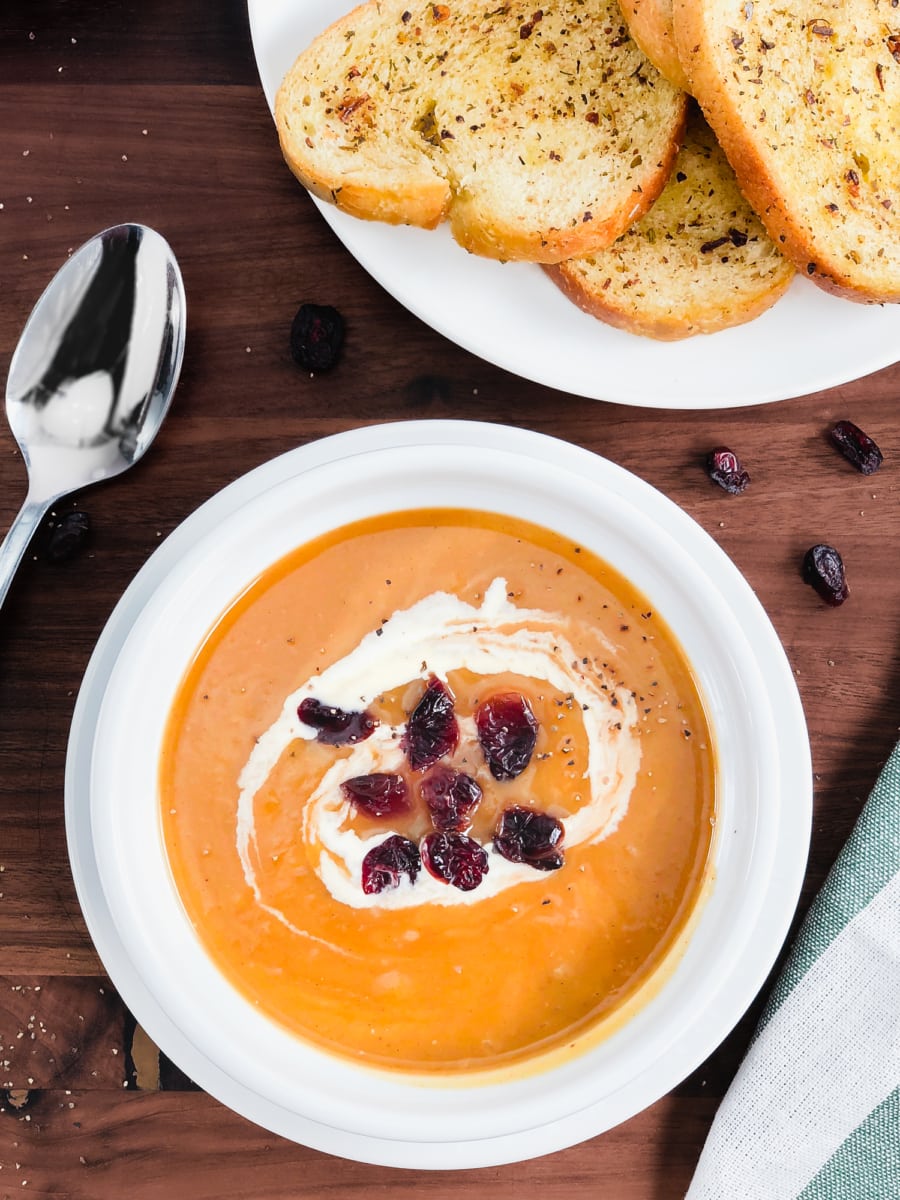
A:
x: 437, y: 635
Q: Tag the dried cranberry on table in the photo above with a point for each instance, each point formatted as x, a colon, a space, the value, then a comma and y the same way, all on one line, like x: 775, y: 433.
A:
x: 725, y: 468
x: 335, y: 726
x: 67, y: 535
x: 378, y: 794
x: 823, y: 569
x: 386, y: 863
x: 857, y: 447
x: 431, y: 731
x: 454, y: 858
x: 507, y: 731
x: 450, y: 797
x: 317, y: 334
x: 525, y: 835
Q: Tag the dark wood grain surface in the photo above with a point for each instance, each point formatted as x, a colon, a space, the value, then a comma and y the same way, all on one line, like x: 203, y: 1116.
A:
x: 152, y: 112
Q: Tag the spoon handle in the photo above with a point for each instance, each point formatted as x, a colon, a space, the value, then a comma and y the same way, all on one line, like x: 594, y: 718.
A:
x: 16, y: 541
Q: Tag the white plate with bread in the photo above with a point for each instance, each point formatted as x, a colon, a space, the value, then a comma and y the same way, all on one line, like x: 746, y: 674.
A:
x: 514, y: 123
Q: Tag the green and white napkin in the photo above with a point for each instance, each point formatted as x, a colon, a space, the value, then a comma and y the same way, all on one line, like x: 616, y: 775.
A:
x: 814, y: 1111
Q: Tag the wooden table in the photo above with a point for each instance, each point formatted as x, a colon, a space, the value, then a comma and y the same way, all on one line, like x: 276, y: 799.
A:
x: 152, y: 112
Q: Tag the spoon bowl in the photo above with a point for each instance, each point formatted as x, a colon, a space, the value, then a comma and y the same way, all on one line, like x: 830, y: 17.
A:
x: 94, y: 371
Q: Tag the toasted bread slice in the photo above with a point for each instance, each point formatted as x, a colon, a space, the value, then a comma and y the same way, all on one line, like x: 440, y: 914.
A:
x: 700, y: 260
x: 651, y: 25
x: 805, y: 100
x: 539, y: 133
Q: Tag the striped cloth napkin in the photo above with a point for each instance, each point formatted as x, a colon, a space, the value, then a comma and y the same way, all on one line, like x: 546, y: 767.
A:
x: 814, y: 1111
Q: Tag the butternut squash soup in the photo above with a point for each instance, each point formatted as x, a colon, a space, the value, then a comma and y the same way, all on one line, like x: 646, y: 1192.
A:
x: 437, y: 791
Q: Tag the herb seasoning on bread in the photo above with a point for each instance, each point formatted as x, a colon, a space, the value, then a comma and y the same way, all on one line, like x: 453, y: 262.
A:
x: 805, y: 100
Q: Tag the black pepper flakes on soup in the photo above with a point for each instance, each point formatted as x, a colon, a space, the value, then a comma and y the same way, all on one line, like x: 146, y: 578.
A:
x: 317, y: 335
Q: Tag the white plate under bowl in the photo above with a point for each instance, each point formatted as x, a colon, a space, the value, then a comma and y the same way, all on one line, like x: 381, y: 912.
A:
x: 512, y: 315
x: 139, y: 926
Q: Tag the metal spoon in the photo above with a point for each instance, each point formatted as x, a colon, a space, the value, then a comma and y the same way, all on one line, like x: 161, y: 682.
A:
x: 94, y: 371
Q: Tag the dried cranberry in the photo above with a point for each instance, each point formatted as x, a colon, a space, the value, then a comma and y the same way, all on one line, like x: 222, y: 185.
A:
x: 431, y: 731
x: 334, y: 726
x: 67, y: 535
x: 455, y: 858
x: 527, y: 836
x: 451, y: 797
x: 507, y: 731
x: 386, y: 862
x: 823, y: 569
x: 857, y: 447
x: 724, y: 468
x: 317, y: 334
x: 379, y: 795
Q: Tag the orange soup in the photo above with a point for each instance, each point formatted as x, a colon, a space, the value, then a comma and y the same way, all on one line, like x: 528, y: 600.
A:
x: 438, y: 793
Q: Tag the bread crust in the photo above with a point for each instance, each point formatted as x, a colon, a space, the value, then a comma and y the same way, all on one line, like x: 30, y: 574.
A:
x: 424, y: 202
x: 671, y: 327
x: 537, y: 139
x: 652, y: 27
x: 806, y: 106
